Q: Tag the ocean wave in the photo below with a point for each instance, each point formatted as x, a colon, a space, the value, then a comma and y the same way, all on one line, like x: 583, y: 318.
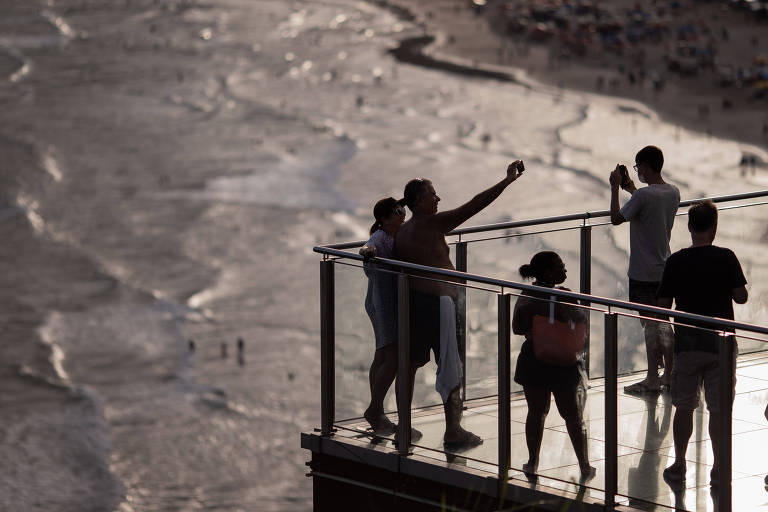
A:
x: 54, y: 437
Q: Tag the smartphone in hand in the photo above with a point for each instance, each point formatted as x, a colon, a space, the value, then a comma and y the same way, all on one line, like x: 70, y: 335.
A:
x: 624, y: 173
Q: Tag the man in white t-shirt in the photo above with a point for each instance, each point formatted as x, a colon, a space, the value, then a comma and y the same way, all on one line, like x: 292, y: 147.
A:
x: 651, y: 213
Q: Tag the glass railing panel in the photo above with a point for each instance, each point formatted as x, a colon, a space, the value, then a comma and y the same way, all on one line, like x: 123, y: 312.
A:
x: 500, y: 253
x: 355, y: 340
x: 745, y: 232
x: 452, y: 241
x: 741, y: 229
x: 433, y: 385
x: 610, y: 259
x: 580, y: 399
x: 594, y: 360
x: 482, y: 342
x: 424, y: 393
x: 644, y: 420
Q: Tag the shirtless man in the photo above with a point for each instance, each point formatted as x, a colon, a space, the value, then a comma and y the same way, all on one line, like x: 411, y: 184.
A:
x: 421, y: 240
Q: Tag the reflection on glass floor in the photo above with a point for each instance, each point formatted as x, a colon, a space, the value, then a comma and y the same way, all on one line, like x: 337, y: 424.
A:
x: 645, y: 445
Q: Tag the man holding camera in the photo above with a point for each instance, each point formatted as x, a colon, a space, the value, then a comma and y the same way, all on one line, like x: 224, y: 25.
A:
x: 651, y: 213
x: 432, y: 298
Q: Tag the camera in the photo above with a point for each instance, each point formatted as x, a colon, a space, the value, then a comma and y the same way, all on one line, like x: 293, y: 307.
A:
x: 520, y: 166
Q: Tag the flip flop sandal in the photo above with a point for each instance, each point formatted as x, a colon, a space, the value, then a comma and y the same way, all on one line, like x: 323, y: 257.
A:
x: 642, y: 387
x: 463, y: 444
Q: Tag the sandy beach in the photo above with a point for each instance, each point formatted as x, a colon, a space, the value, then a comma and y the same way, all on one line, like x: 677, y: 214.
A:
x: 480, y: 38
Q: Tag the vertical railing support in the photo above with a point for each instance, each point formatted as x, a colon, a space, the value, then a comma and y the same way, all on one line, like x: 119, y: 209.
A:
x: 327, y: 348
x: 504, y: 376
x: 727, y: 355
x: 611, y: 410
x: 461, y: 310
x: 585, y: 278
x: 403, y: 366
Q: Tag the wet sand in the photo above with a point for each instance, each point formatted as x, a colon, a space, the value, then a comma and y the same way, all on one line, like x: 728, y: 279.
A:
x: 463, y: 35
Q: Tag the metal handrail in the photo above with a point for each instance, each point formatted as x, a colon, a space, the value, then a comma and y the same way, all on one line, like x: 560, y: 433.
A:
x: 561, y: 218
x: 594, y: 299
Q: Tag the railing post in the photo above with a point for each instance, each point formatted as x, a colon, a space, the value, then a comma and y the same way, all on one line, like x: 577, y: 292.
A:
x: 585, y: 278
x: 403, y: 366
x: 727, y: 356
x: 461, y: 310
x: 611, y: 410
x: 505, y: 450
x: 327, y: 348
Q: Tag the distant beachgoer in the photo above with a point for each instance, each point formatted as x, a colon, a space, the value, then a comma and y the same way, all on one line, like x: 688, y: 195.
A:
x: 380, y: 303
x: 541, y: 380
x: 651, y: 213
x: 432, y: 301
x: 706, y: 280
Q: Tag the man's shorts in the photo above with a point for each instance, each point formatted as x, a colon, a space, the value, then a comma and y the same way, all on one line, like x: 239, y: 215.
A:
x: 644, y: 292
x: 424, y: 322
x: 692, y: 370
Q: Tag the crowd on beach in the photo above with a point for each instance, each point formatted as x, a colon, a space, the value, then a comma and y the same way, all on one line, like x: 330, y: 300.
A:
x: 655, y: 37
x: 703, y: 279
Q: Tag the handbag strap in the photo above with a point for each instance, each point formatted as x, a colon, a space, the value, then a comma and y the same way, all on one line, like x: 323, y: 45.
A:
x: 552, y: 299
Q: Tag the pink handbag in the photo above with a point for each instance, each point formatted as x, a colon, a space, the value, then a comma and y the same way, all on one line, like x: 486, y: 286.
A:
x: 555, y: 342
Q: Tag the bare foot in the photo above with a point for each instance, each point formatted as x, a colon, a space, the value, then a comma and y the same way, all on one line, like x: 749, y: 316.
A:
x: 529, y: 468
x: 380, y: 424
x: 714, y: 476
x: 587, y: 472
x: 415, y: 434
x: 675, y: 472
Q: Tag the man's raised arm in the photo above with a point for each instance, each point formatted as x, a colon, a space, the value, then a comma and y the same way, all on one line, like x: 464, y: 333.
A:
x: 451, y: 219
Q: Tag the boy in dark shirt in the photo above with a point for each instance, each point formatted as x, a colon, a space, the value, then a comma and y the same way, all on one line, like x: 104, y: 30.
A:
x: 706, y: 280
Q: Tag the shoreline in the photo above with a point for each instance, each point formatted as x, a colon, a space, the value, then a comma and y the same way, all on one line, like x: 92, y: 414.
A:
x: 457, y: 40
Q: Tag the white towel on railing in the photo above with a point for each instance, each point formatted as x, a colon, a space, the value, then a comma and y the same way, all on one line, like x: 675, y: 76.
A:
x: 449, y: 370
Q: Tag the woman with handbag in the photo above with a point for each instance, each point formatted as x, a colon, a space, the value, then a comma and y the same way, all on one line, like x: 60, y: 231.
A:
x: 549, y: 362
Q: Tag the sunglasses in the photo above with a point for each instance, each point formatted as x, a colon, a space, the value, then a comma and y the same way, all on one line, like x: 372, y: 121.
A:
x: 399, y: 210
